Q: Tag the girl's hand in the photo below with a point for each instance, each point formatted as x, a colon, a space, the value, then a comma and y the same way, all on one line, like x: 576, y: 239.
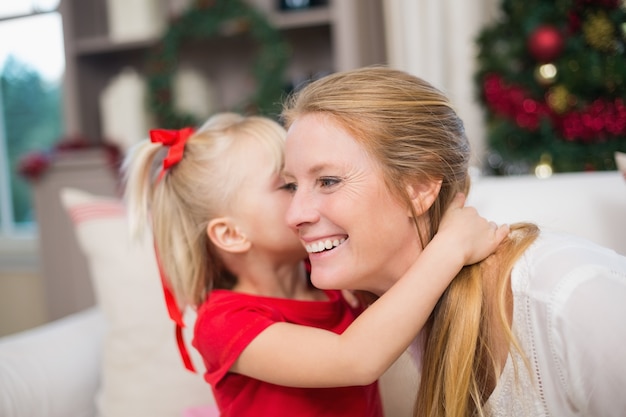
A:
x: 469, y: 234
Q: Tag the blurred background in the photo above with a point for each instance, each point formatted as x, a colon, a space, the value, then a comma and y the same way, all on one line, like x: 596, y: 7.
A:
x: 539, y: 84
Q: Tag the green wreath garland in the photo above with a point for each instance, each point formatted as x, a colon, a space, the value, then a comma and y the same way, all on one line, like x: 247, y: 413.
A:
x: 203, y: 20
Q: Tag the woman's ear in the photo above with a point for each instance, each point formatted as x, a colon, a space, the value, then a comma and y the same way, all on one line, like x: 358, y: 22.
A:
x: 226, y: 235
x: 423, y: 195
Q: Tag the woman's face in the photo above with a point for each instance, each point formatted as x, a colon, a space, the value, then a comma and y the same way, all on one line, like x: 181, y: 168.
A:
x: 357, y: 235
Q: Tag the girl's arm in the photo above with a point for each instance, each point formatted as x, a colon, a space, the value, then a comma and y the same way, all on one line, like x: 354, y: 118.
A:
x: 294, y: 355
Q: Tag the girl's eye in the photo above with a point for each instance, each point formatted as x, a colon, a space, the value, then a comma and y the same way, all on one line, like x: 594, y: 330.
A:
x: 328, y: 181
x: 289, y: 186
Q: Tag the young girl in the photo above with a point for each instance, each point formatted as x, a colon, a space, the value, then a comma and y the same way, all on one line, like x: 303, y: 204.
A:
x: 274, y: 345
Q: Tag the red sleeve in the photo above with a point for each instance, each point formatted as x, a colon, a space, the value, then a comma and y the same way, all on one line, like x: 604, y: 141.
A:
x: 224, y: 327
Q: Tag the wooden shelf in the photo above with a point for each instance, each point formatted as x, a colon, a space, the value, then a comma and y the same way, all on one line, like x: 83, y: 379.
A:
x: 104, y: 45
x: 316, y: 16
x: 339, y: 35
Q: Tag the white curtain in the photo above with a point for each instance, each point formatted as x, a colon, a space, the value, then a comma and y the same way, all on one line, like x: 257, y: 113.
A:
x: 435, y: 40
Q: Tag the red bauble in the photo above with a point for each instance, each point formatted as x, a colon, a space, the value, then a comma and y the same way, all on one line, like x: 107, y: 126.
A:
x: 545, y: 43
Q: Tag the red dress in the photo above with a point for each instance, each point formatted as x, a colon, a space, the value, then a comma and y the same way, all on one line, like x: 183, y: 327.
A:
x: 228, y: 321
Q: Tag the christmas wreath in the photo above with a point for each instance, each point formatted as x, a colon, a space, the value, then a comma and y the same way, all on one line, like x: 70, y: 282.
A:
x: 206, y: 19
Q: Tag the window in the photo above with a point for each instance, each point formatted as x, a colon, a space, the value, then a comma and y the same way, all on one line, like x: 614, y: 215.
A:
x: 31, y: 70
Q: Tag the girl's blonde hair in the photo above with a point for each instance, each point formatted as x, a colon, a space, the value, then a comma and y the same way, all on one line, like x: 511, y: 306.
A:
x: 413, y: 132
x: 202, y: 186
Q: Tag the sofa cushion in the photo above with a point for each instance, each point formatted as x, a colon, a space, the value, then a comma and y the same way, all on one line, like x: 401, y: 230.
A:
x: 586, y: 204
x: 41, y: 374
x: 142, y: 371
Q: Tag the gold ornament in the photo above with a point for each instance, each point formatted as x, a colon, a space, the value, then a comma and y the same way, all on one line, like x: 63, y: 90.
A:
x: 599, y: 32
x: 546, y: 74
x: 559, y: 99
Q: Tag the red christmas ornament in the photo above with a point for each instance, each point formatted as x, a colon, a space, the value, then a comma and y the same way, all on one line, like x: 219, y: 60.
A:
x: 545, y: 43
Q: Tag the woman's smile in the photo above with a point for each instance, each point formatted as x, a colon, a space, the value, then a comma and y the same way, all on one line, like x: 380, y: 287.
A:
x: 341, y: 208
x: 323, y: 245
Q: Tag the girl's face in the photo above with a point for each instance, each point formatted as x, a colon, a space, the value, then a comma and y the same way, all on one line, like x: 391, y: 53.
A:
x: 260, y: 209
x: 357, y: 235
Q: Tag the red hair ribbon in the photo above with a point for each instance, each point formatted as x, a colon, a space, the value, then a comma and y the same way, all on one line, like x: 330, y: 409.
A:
x: 175, y: 314
x: 176, y: 140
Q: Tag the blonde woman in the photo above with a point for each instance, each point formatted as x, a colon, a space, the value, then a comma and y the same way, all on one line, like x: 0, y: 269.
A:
x: 272, y: 344
x: 536, y: 329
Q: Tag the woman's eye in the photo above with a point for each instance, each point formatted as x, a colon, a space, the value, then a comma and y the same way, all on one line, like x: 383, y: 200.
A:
x: 328, y: 181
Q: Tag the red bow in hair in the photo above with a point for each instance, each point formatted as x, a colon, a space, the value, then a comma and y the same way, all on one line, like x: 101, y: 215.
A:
x: 176, y: 140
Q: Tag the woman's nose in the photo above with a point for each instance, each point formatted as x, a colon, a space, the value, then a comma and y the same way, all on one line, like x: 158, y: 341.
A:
x: 302, y: 210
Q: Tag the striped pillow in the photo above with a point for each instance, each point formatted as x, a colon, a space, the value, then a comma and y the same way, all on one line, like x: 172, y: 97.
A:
x: 142, y: 372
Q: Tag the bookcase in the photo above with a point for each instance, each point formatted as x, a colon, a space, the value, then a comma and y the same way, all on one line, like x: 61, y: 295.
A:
x: 334, y: 35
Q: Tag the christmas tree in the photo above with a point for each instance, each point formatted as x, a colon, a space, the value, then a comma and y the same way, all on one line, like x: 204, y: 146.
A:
x: 552, y: 79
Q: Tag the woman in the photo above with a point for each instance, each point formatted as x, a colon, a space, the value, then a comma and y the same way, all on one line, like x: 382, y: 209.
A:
x: 535, y: 329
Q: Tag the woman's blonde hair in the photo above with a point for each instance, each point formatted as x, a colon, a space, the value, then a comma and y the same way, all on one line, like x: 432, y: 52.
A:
x: 202, y: 186
x: 413, y: 132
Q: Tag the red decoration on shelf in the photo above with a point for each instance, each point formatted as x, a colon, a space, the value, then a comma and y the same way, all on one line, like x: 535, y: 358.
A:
x: 34, y: 165
x: 546, y: 43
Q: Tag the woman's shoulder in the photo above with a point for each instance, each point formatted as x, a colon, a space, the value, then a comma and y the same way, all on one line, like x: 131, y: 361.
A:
x: 568, y: 307
x: 570, y: 250
x: 556, y: 258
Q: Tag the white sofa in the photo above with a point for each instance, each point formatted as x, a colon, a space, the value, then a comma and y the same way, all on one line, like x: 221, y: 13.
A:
x: 66, y: 369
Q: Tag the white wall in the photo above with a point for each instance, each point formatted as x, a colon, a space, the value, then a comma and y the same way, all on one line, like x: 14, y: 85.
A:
x: 434, y: 39
x: 22, y: 302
